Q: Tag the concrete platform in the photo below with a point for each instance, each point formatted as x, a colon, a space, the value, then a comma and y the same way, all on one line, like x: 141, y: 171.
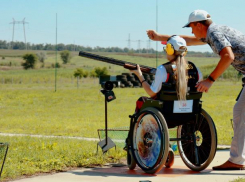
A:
x: 179, y: 172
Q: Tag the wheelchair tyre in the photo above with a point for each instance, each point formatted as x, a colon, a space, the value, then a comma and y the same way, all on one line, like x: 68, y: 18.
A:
x: 130, y: 160
x: 170, y: 160
x: 150, y: 141
x: 206, y: 142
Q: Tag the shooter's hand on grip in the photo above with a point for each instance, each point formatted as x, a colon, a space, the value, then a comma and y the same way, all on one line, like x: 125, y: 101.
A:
x: 137, y: 71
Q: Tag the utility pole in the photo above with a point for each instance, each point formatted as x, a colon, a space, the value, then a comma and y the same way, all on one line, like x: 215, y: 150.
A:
x: 148, y: 45
x: 18, y: 22
x: 56, y: 55
x: 139, y: 45
x: 129, y: 42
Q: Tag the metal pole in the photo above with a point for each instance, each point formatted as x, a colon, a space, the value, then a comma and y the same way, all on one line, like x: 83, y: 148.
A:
x: 4, y: 159
x: 56, y: 56
x: 13, y: 34
x: 24, y: 31
x: 106, y: 140
x: 157, y: 31
x: 78, y: 81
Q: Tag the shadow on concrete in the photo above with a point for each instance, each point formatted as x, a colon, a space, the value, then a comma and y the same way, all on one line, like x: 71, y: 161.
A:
x: 176, y: 171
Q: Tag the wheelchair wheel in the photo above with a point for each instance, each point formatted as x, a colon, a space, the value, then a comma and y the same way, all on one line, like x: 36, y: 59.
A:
x: 150, y: 141
x: 130, y: 160
x: 198, y: 156
x: 170, y: 160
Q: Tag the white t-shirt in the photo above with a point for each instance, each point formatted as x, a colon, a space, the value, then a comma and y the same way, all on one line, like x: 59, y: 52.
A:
x: 161, y: 77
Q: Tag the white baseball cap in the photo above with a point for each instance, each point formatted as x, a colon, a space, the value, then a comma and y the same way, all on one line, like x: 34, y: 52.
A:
x: 197, y: 15
x: 177, y: 42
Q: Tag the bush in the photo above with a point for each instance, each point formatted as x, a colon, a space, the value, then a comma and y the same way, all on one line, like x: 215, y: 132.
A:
x: 65, y: 56
x: 41, y: 57
x: 30, y: 61
x: 57, y: 65
x: 79, y: 72
x: 97, y: 72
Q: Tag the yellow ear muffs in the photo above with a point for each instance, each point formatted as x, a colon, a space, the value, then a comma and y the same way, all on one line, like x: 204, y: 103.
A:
x: 169, y: 49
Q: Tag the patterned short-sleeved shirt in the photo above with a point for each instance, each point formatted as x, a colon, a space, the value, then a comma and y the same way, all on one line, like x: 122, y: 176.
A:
x: 219, y: 37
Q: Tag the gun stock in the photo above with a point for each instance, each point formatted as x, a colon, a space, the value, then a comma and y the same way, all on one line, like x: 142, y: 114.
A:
x: 127, y: 65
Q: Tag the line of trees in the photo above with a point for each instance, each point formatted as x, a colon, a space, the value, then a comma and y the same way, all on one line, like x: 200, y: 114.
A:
x: 73, y: 47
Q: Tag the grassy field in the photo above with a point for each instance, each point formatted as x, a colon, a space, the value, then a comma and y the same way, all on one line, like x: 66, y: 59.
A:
x: 79, y: 112
x: 28, y: 156
x: 29, y: 105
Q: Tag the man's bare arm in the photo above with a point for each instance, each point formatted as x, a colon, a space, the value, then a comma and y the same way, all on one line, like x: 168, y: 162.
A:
x: 192, y: 40
x: 226, y: 58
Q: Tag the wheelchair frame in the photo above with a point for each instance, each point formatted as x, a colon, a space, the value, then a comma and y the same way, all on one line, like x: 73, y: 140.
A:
x: 196, y: 135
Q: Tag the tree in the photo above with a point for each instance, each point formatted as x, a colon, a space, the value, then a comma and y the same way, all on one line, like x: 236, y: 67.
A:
x: 41, y: 57
x: 65, y: 56
x: 97, y: 72
x: 30, y: 61
x: 61, y: 47
x: 79, y: 72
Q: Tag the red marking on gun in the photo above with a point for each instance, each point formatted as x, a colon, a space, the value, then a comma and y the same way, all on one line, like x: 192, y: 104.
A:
x: 125, y: 64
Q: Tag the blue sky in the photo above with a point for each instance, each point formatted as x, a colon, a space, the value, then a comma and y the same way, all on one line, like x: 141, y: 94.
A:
x: 108, y: 23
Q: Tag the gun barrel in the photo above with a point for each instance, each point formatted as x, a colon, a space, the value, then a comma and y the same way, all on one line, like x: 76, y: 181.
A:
x: 101, y: 58
x: 125, y: 64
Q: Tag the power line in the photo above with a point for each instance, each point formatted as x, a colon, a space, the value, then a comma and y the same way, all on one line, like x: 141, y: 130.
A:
x: 139, y: 45
x: 129, y: 46
x: 148, y: 45
x: 18, y: 22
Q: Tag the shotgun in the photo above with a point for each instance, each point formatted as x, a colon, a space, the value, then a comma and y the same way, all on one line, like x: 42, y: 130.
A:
x: 125, y: 64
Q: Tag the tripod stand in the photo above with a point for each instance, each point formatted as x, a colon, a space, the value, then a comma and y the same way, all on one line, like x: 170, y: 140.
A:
x: 107, y: 143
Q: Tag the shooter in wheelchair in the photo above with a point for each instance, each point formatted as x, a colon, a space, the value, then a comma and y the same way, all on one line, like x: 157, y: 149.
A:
x: 174, y: 103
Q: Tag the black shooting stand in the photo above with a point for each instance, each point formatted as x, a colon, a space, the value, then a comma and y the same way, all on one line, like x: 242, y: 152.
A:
x: 107, y: 143
x: 3, y: 154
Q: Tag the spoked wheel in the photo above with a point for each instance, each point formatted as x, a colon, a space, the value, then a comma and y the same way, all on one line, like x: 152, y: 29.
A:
x: 201, y: 134
x: 170, y: 160
x: 150, y: 141
x: 130, y: 160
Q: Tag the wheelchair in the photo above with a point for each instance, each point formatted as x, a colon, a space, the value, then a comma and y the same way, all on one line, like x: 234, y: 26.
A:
x: 148, y: 142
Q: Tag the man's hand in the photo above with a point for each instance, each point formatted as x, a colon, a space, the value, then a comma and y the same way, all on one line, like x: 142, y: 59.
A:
x: 203, y: 86
x: 153, y: 35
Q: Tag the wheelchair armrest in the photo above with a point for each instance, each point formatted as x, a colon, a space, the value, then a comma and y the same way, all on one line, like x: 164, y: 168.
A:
x: 158, y: 104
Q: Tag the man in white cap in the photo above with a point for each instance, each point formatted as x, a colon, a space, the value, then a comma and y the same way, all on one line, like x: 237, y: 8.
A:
x: 229, y: 44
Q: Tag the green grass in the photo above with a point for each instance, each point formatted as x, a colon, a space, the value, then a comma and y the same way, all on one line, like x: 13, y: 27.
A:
x: 28, y: 156
x: 36, y: 109
x: 239, y: 180
x: 79, y: 112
